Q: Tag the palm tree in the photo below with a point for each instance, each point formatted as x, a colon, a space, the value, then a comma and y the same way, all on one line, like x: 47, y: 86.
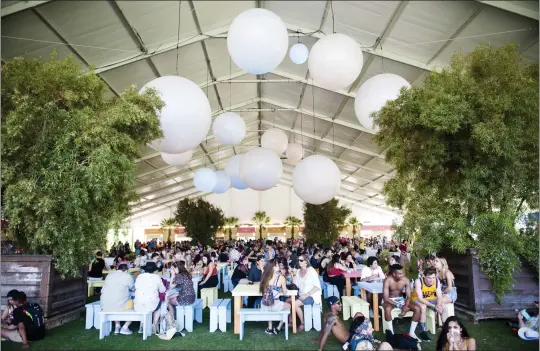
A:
x: 167, y: 225
x: 260, y: 219
x: 230, y: 222
x: 354, y: 222
x: 293, y: 222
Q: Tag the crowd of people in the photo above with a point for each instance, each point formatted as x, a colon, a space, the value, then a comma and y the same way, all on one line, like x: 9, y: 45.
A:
x: 278, y: 267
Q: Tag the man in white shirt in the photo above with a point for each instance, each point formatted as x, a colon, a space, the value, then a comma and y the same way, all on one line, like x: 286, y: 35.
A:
x: 147, y: 289
x: 116, y: 295
x: 373, y: 272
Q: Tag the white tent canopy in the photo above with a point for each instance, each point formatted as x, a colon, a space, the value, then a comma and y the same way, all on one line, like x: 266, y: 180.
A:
x: 133, y: 42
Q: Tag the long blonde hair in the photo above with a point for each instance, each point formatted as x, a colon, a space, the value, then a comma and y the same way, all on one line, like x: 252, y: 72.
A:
x: 444, y: 267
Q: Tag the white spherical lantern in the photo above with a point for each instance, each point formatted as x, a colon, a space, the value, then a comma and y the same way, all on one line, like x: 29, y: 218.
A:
x: 294, y: 153
x: 177, y: 159
x: 275, y: 139
x: 374, y: 94
x: 205, y: 179
x: 335, y: 61
x: 261, y: 169
x: 233, y: 170
x: 186, y: 116
x: 316, y: 179
x: 229, y: 128
x: 223, y: 182
x: 299, y: 53
x: 257, y: 41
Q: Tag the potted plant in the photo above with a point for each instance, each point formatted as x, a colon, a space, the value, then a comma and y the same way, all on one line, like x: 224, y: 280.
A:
x: 68, y: 172
x: 464, y: 146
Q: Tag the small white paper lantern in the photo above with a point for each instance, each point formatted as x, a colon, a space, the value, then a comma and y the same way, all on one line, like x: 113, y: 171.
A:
x: 294, y: 152
x: 373, y: 95
x: 229, y: 128
x: 261, y: 169
x: 316, y: 179
x: 205, y: 179
x: 223, y: 182
x: 257, y: 41
x: 177, y: 159
x: 299, y: 53
x: 185, y: 118
x: 233, y: 170
x: 275, y: 139
x: 335, y: 61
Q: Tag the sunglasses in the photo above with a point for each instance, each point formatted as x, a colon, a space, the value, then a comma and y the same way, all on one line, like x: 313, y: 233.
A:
x: 301, y: 260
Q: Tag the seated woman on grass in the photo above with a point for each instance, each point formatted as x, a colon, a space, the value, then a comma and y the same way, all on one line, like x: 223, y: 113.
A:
x: 454, y: 336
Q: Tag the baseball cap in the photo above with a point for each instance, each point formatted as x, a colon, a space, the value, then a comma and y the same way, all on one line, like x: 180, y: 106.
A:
x: 332, y: 300
x: 528, y: 334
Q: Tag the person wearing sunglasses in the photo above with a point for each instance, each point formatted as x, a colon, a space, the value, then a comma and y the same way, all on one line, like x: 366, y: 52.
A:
x: 332, y: 323
x: 309, y: 287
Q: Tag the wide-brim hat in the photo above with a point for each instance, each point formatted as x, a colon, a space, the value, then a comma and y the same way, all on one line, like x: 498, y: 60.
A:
x: 150, y: 267
x: 527, y: 334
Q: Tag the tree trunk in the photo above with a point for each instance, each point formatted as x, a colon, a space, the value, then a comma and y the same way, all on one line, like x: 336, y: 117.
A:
x: 292, y: 232
x: 260, y: 231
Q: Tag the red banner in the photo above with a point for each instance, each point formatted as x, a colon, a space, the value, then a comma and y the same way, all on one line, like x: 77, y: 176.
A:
x: 247, y: 230
x: 180, y: 230
x: 301, y: 229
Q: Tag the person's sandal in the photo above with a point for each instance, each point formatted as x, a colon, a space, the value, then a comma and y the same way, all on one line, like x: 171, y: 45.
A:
x: 300, y: 328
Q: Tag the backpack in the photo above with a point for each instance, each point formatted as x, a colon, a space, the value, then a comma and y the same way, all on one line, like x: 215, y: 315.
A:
x: 401, y: 341
x: 268, y: 295
x: 35, y: 313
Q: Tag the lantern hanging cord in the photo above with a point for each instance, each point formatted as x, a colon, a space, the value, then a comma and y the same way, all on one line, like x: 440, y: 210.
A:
x: 178, y: 34
x: 313, y: 97
x: 230, y: 83
x: 333, y: 20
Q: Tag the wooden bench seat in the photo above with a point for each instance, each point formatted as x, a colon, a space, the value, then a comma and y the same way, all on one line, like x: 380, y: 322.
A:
x: 257, y: 315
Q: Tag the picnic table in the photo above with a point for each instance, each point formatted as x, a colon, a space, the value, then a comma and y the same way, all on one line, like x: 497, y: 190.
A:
x: 348, y: 276
x: 242, y: 290
x: 196, y: 280
x: 375, y: 288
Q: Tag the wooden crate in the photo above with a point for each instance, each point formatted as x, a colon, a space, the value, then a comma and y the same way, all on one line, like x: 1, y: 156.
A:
x: 62, y: 300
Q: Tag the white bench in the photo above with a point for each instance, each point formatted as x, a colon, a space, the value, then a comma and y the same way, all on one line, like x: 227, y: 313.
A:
x: 92, y: 315
x: 107, y: 318
x: 220, y: 315
x: 257, y: 315
x: 394, y: 314
x: 312, y: 317
x: 227, y: 283
x: 431, y: 315
x: 185, y: 315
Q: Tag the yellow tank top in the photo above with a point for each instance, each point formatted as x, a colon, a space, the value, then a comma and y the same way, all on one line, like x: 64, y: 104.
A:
x: 428, y: 292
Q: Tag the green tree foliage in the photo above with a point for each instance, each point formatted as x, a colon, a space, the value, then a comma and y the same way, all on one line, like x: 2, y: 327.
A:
x: 465, y: 150
x: 200, y: 218
x: 261, y: 218
x: 230, y: 222
x: 68, y: 156
x: 293, y: 221
x: 167, y: 226
x: 354, y: 222
x: 322, y: 223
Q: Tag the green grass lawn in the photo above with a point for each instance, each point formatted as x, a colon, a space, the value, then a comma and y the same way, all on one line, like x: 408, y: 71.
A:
x: 490, y: 335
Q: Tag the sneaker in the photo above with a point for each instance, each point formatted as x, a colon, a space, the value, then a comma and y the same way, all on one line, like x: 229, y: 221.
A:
x: 125, y: 331
x: 141, y: 329
x: 424, y: 336
x: 276, y: 331
x: 268, y: 331
x: 117, y: 330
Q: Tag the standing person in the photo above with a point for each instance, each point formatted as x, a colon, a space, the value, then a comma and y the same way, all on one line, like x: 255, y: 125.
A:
x: 95, y: 268
x: 148, y: 286
x: 271, y: 286
x: 28, y: 317
x: 404, y: 258
x: 116, y: 295
x: 309, y: 288
x: 454, y: 336
x: 427, y: 294
x: 393, y: 298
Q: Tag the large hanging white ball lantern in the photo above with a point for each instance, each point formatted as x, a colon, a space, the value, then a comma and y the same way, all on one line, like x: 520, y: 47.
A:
x: 261, y: 169
x: 186, y: 116
x: 229, y: 128
x: 374, y: 94
x: 275, y: 139
x: 299, y: 53
x: 335, y: 61
x: 177, y: 159
x: 233, y: 170
x: 223, y: 182
x: 257, y: 41
x: 205, y: 179
x: 294, y: 153
x: 316, y: 179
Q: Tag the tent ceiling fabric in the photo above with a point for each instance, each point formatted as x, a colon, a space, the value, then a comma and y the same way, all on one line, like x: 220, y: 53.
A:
x: 133, y: 42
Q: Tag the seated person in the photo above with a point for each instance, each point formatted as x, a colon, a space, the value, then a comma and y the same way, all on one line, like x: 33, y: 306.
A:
x: 181, y: 282
x: 148, y: 286
x: 7, y: 314
x: 392, y: 260
x: 240, y: 272
x: 96, y: 267
x: 454, y: 336
x: 28, y: 317
x: 524, y: 322
x: 361, y: 335
x: 427, y: 294
x: 116, y: 295
x: 373, y: 272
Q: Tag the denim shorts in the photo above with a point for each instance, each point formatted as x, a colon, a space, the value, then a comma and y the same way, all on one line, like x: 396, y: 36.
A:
x: 308, y: 301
